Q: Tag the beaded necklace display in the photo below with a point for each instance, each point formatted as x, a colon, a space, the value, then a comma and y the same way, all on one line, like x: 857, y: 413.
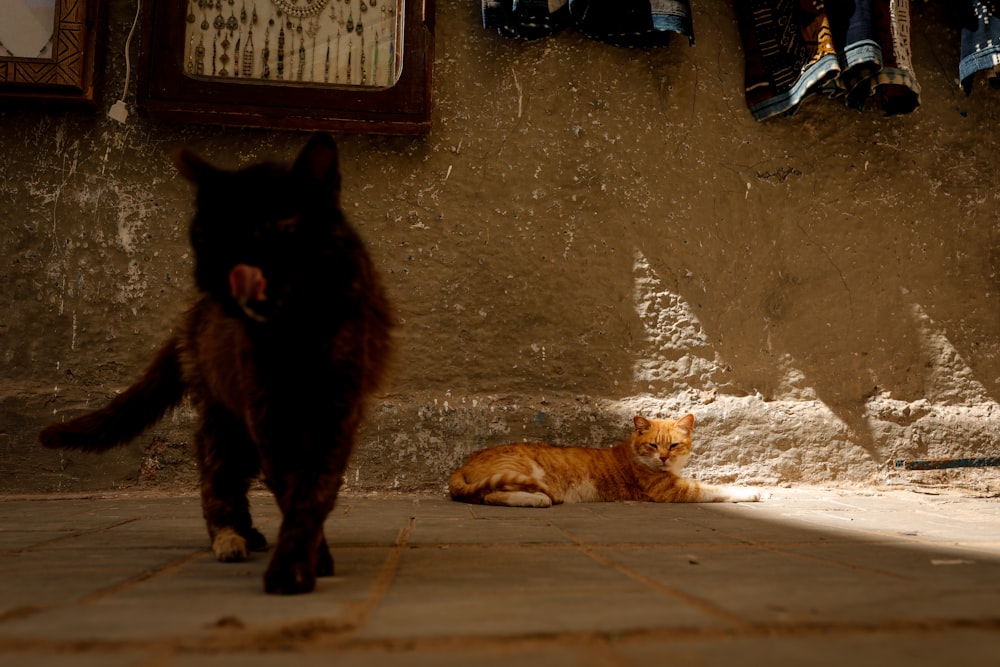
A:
x: 306, y: 30
x: 310, y: 9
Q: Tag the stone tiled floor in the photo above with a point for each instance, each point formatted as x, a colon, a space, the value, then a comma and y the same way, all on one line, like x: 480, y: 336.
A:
x: 808, y: 577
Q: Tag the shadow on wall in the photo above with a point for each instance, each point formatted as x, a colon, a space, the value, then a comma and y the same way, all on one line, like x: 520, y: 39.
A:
x: 831, y: 273
x: 788, y: 328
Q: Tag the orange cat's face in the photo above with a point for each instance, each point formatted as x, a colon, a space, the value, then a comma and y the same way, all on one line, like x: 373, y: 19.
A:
x: 663, y: 445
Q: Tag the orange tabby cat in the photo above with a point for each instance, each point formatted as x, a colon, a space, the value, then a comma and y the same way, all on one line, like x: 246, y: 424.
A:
x: 647, y: 467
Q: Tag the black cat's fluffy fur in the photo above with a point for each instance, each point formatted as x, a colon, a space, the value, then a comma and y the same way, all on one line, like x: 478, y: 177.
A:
x: 289, y: 334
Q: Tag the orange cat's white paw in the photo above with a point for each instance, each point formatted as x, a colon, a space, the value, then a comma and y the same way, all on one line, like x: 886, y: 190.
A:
x: 517, y: 499
x: 229, y: 546
x: 740, y: 495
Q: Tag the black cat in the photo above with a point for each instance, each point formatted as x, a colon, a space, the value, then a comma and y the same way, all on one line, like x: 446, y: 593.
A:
x: 290, y: 333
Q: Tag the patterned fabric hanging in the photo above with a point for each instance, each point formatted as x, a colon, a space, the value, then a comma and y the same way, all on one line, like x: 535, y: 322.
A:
x: 855, y: 51
x: 788, y: 46
x: 875, y: 56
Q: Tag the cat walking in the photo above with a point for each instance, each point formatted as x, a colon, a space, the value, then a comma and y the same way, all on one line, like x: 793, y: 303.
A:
x: 288, y: 336
x: 646, y: 467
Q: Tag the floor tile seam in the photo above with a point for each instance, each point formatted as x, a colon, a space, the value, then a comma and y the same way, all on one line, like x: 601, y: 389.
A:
x: 116, y: 562
x: 356, y: 615
x: 900, y: 537
x: 673, y: 633
x: 22, y: 611
x: 947, y: 543
x: 316, y: 637
x: 703, y: 605
x: 904, y: 540
x: 491, y: 546
x: 69, y: 536
x: 709, y: 549
x: 832, y: 561
x: 988, y: 549
x: 782, y: 550
x: 55, y: 497
x: 320, y: 636
x: 31, y: 610
x: 635, y: 546
x: 148, y: 575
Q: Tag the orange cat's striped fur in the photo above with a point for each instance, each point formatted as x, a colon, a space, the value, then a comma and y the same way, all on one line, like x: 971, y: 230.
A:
x: 646, y: 467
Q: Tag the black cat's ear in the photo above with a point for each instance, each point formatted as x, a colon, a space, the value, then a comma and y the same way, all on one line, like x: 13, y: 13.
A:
x: 641, y: 424
x: 318, y: 161
x: 193, y: 168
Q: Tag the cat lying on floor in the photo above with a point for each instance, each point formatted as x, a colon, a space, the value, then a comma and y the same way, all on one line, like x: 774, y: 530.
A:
x: 645, y: 467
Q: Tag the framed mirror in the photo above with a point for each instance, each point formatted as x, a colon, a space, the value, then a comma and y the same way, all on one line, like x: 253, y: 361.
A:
x: 49, y: 50
x: 340, y: 65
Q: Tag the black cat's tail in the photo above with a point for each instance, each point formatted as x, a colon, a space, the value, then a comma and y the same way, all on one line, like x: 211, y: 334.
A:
x: 133, y: 411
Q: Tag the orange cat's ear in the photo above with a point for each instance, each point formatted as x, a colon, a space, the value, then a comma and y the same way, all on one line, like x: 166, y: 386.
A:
x: 641, y: 424
x: 685, y: 423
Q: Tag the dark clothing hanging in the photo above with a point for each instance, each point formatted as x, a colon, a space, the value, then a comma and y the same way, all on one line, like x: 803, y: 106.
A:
x: 621, y: 22
x: 980, y: 44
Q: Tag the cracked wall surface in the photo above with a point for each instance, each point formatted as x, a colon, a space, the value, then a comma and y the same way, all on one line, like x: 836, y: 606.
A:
x: 587, y: 233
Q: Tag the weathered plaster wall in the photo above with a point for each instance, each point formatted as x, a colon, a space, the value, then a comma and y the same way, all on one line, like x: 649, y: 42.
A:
x: 588, y: 232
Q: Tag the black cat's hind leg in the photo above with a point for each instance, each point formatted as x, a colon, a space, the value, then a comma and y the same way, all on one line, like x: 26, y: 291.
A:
x: 228, y: 460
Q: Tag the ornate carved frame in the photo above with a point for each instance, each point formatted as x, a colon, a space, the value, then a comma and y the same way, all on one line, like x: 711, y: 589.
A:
x: 69, y: 75
x: 166, y: 92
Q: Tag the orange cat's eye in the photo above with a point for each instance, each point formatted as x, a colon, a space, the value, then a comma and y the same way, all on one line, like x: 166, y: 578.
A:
x: 652, y: 445
x: 674, y: 444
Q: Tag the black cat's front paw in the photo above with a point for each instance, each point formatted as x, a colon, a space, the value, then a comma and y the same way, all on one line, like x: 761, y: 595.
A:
x: 255, y: 540
x: 292, y: 579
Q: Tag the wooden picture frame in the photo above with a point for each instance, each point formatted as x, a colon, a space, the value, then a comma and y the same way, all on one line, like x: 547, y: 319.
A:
x: 172, y: 88
x: 65, y: 70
